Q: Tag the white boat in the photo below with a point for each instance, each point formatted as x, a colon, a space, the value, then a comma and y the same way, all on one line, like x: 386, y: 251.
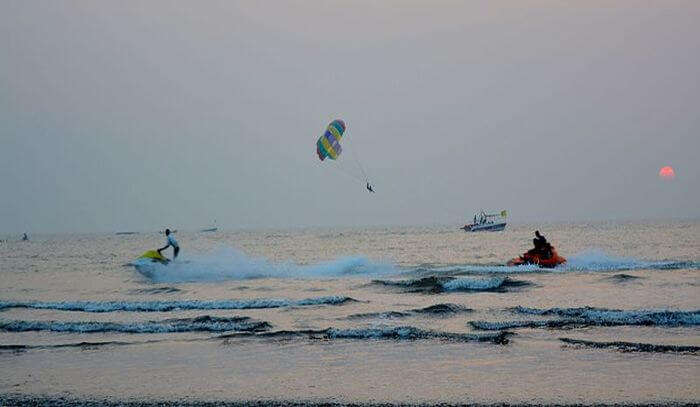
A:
x: 487, y: 222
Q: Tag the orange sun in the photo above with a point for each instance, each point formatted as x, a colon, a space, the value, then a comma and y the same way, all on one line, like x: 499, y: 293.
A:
x: 667, y: 172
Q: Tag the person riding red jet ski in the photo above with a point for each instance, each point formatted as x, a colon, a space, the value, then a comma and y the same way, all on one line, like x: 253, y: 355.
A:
x: 543, y: 255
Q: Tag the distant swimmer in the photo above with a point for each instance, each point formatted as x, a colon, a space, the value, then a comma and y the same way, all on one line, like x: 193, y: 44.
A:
x: 170, y: 242
x: 25, y: 237
x: 369, y: 188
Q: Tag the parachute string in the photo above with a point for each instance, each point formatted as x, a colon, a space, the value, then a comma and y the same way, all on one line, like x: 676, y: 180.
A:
x: 347, y: 165
x: 359, y: 164
x: 345, y: 172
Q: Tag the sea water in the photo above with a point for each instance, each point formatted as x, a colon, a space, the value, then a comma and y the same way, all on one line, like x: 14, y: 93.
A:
x: 395, y: 314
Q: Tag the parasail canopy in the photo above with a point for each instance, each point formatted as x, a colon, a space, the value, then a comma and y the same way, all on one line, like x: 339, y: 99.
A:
x: 328, y: 145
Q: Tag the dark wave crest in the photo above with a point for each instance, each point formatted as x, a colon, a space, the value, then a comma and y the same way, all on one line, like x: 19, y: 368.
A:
x: 440, y: 284
x: 622, y: 278
x: 605, y: 316
x: 80, y: 345
x: 589, y: 316
x: 385, y: 333
x: 432, y: 310
x: 441, y: 309
x: 156, y: 290
x: 382, y: 315
x: 203, y: 323
x: 633, y: 346
x: 165, y: 306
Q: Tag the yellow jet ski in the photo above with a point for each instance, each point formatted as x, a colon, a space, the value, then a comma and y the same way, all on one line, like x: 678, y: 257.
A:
x: 155, y: 257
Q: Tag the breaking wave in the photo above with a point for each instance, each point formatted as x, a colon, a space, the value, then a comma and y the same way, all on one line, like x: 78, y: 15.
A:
x: 81, y: 345
x: 481, y: 284
x: 203, y: 323
x: 164, y: 306
x: 588, y: 316
x: 591, y: 260
x: 598, y: 260
x: 433, y: 310
x: 441, y: 309
x: 231, y: 264
x: 604, y: 316
x: 395, y: 333
x: 483, y: 269
x: 435, y: 284
x: 633, y: 346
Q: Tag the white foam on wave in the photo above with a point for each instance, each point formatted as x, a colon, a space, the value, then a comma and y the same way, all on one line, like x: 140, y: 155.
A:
x: 410, y: 333
x: 489, y: 269
x: 604, y: 316
x: 199, y: 324
x: 165, y: 306
x: 589, y: 260
x: 473, y: 284
x: 599, y: 260
x: 231, y: 264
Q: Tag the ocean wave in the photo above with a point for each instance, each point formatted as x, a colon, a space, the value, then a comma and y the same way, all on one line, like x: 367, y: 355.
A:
x: 81, y: 345
x: 380, y: 315
x: 604, y: 316
x: 598, y: 260
x: 433, y: 310
x: 457, y: 270
x: 551, y: 323
x: 622, y: 278
x: 393, y: 333
x: 231, y: 264
x: 435, y: 284
x: 203, y: 323
x: 591, y: 260
x: 481, y: 284
x: 165, y: 306
x: 587, y: 316
x: 439, y: 309
x: 155, y: 290
x: 633, y: 346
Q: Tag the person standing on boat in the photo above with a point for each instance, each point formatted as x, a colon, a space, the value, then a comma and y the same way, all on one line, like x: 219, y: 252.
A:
x: 170, y: 242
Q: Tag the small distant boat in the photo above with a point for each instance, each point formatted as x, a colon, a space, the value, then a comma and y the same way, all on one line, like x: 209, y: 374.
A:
x: 211, y: 229
x: 126, y: 233
x: 487, y: 222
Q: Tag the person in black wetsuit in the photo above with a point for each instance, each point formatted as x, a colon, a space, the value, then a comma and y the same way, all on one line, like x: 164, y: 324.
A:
x: 541, y: 245
x: 369, y: 187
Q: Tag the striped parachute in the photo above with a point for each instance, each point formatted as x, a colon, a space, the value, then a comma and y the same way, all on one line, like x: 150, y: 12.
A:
x: 328, y: 145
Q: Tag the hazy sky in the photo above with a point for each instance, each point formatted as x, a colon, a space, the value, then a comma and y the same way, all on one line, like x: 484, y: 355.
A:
x: 134, y: 115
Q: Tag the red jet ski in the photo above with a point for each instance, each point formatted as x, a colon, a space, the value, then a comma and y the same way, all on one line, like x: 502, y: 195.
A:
x: 548, y: 260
